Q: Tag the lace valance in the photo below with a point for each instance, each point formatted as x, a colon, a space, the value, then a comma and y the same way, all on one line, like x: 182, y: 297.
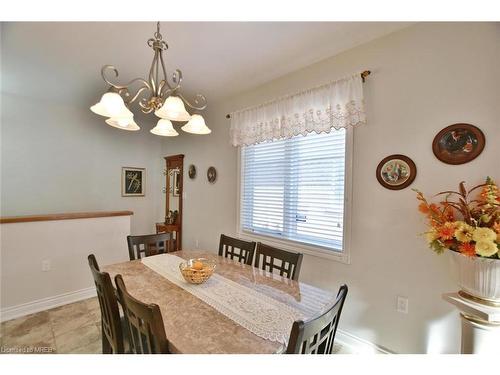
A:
x: 332, y: 106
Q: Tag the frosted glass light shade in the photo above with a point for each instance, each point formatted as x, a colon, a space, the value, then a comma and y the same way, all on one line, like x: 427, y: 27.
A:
x: 164, y: 128
x: 173, y: 109
x: 196, y: 125
x: 124, y: 123
x: 111, y: 105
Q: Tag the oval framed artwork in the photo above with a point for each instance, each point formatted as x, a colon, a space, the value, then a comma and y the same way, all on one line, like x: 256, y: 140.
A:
x: 211, y: 175
x: 396, y: 172
x: 192, y: 171
x: 458, y: 143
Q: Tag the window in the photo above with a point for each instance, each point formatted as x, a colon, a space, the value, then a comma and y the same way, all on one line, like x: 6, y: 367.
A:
x: 293, y: 189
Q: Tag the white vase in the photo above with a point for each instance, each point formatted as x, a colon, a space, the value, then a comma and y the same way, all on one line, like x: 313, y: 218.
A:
x: 479, y: 277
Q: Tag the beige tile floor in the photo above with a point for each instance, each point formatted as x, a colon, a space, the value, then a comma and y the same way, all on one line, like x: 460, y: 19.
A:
x: 73, y: 328
x: 68, y: 329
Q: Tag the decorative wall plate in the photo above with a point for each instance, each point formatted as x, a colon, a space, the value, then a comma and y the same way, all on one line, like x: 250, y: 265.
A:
x: 211, y: 175
x: 396, y: 172
x: 192, y: 171
x: 458, y: 143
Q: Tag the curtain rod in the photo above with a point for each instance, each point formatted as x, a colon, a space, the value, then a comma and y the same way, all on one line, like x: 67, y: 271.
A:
x: 364, y: 74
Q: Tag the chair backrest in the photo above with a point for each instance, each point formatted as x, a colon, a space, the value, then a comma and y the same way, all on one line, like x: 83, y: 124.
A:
x: 316, y: 336
x: 144, y: 321
x: 271, y: 258
x: 150, y: 244
x: 174, y: 234
x: 110, y: 314
x: 235, y: 248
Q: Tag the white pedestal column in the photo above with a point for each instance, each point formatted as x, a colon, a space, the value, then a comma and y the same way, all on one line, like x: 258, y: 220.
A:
x: 480, y: 325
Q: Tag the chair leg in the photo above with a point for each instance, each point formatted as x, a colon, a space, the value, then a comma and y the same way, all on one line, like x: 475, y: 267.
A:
x: 106, y: 346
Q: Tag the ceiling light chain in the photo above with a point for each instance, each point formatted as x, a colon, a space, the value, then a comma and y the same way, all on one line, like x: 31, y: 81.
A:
x: 156, y: 95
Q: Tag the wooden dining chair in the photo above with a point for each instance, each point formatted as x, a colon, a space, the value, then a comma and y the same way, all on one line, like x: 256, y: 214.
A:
x: 113, y: 338
x: 174, y: 234
x: 144, y: 321
x: 316, y: 336
x: 289, y: 263
x: 150, y: 244
x: 235, y: 248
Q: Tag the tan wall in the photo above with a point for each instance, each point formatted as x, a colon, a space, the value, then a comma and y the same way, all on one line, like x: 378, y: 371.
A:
x: 423, y: 78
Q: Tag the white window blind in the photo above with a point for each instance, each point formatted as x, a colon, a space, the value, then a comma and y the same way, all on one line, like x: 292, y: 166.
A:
x: 294, y: 189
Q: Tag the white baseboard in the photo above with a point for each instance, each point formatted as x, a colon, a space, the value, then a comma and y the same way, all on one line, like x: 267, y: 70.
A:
x: 358, y: 345
x: 24, y: 309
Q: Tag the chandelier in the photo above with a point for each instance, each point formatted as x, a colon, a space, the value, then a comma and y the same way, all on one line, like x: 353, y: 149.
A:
x: 156, y: 95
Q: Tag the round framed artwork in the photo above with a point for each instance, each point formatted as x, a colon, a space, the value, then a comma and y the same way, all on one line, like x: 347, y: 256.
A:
x: 458, y: 143
x: 211, y: 175
x: 396, y: 172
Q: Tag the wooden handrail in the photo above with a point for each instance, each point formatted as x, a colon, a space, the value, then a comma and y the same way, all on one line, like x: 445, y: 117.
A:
x: 65, y: 216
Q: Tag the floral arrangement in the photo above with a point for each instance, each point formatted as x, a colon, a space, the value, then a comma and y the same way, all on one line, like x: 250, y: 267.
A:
x: 459, y: 223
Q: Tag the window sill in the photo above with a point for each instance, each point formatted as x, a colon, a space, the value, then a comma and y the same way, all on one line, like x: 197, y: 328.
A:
x: 316, y: 251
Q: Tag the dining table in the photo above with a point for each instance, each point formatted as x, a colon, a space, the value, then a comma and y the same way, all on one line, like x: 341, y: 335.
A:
x: 235, y: 311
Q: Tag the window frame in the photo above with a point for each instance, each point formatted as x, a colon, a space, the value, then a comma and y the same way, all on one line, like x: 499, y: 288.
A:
x: 342, y: 256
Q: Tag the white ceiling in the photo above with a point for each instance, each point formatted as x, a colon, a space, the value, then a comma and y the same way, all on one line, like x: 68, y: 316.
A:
x: 59, y: 61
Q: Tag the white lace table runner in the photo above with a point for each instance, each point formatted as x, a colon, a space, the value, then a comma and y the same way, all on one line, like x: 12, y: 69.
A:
x: 260, y: 314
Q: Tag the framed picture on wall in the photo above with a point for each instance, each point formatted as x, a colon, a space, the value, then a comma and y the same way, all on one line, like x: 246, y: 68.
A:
x: 212, y: 175
x: 458, y: 143
x: 395, y: 172
x: 133, y: 182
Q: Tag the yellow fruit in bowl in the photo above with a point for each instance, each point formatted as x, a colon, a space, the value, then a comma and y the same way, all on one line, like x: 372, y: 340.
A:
x: 197, y: 265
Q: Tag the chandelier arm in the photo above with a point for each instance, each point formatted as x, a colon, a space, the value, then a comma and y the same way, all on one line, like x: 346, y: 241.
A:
x: 157, y: 81
x: 143, y: 103
x: 160, y: 86
x: 151, y: 73
x: 200, y: 101
x: 176, y: 77
x: 165, y: 91
x: 139, y: 92
x: 164, y: 72
x: 148, y: 110
x: 116, y: 86
x: 146, y: 107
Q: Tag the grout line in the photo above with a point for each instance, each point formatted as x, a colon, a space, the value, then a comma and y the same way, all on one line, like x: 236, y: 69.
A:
x: 52, y: 330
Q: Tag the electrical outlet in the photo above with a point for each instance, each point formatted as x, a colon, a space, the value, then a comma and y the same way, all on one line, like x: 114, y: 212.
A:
x: 402, y: 305
x: 197, y: 244
x: 45, y: 265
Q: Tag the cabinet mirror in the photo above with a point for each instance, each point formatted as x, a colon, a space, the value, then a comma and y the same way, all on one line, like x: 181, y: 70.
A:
x: 173, y: 200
